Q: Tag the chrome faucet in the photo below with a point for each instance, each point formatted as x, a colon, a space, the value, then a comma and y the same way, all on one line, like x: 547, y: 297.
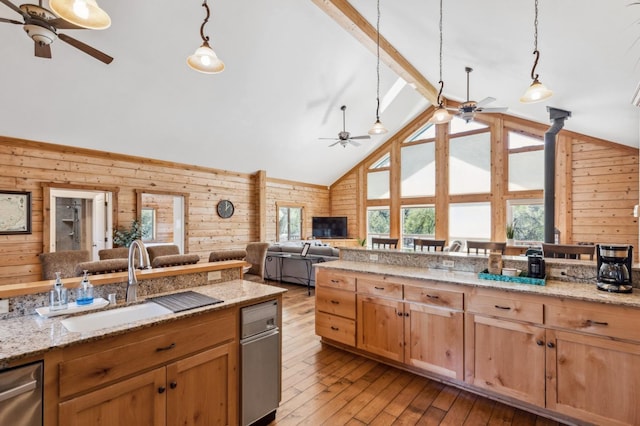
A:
x: 132, y: 283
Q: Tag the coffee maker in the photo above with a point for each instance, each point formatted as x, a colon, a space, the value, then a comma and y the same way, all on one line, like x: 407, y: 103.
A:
x: 614, y: 268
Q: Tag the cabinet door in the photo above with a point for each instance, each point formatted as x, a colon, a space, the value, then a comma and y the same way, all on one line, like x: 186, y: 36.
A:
x: 506, y: 357
x: 202, y: 388
x: 380, y: 326
x: 139, y: 400
x: 434, y: 339
x: 593, y: 378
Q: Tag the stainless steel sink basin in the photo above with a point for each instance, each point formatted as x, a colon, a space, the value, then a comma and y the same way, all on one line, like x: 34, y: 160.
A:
x: 114, y: 317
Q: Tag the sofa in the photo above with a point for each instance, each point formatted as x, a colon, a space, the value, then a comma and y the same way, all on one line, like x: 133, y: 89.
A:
x: 294, y: 271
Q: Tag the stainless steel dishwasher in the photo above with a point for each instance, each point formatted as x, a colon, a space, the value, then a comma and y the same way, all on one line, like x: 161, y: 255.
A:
x: 260, y: 363
x: 21, y: 395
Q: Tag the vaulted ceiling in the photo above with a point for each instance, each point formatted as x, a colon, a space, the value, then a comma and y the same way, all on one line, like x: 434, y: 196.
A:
x: 291, y: 64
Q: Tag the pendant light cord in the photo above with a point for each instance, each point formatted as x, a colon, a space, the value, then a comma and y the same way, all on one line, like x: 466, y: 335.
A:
x: 206, y: 19
x: 378, y: 65
x: 441, y: 83
x: 535, y: 76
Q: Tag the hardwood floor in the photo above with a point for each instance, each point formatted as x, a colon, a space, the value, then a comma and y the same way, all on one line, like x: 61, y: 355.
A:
x: 325, y: 385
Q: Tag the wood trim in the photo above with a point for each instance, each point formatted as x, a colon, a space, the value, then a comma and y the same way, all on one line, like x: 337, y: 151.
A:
x: 499, y: 180
x: 261, y: 194
x: 290, y: 182
x: 185, y: 210
x: 442, y: 183
x: 395, y: 184
x: 353, y: 22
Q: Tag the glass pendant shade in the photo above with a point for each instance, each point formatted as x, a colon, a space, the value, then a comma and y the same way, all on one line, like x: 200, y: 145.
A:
x: 378, y: 128
x: 205, y: 60
x: 83, y: 13
x: 440, y: 116
x: 535, y: 93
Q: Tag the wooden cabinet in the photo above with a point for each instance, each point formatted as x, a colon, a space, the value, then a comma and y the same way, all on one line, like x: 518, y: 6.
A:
x: 380, y: 324
x: 336, y: 307
x: 181, y: 373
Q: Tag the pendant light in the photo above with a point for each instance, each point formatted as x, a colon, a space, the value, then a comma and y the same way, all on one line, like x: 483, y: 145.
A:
x: 440, y: 115
x: 83, y: 13
x: 205, y: 59
x: 378, y: 128
x: 537, y: 91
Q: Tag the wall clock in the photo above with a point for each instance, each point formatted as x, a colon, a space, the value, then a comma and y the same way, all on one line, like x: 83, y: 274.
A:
x: 225, y: 209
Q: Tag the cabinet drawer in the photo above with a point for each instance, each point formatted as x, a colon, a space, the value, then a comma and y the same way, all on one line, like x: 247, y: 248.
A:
x: 516, y: 308
x: 431, y: 296
x: 604, y: 320
x: 121, y: 356
x: 379, y: 288
x: 336, y: 302
x: 334, y: 279
x: 336, y: 328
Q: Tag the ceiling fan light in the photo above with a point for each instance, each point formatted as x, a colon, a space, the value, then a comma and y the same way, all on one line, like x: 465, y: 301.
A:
x: 535, y: 93
x: 440, y: 116
x: 205, y: 60
x: 378, y: 128
x: 83, y: 13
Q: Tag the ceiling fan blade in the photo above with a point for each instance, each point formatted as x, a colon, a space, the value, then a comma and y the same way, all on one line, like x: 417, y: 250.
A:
x: 61, y: 24
x: 15, y: 8
x: 86, y: 48
x: 11, y: 21
x: 354, y: 143
x: 360, y: 137
x: 334, y: 144
x: 495, y: 109
x: 328, y: 139
x: 485, y: 101
x: 42, y: 50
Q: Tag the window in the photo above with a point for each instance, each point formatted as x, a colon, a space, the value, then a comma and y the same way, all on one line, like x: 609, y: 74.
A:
x: 378, y: 185
x: 148, y: 222
x: 289, y: 223
x: 526, y: 162
x: 418, y: 170
x: 528, y: 217
x: 458, y: 125
x: 378, y: 223
x: 417, y: 222
x: 427, y: 132
x: 470, y: 164
x: 470, y: 221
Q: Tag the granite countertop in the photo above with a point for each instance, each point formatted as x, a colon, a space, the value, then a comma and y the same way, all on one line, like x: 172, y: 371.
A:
x: 578, y: 291
x: 32, y: 335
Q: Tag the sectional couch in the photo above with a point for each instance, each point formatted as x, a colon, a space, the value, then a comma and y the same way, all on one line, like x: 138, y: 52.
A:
x: 295, y: 271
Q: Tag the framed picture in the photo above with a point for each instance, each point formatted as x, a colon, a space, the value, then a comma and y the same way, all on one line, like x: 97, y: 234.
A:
x: 305, y: 249
x: 15, y: 212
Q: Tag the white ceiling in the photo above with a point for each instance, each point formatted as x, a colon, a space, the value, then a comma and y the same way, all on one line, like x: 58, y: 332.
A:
x: 289, y: 68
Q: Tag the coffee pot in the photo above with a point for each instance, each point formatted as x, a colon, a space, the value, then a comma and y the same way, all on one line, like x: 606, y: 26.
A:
x: 614, y: 268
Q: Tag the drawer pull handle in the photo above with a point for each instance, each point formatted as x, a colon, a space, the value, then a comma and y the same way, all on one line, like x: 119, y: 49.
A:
x: 433, y: 297
x: 589, y: 322
x: 334, y: 328
x: 539, y: 342
x: 166, y: 348
x: 161, y: 389
x: 335, y: 281
x: 400, y: 314
x: 335, y: 302
x: 504, y: 308
x: 551, y: 345
x: 173, y: 385
x: 406, y: 314
x: 379, y: 288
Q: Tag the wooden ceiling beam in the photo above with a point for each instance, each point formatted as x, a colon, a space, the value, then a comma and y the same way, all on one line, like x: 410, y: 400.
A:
x: 348, y: 18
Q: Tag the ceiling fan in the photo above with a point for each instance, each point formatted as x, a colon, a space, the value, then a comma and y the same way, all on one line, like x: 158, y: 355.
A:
x: 344, y: 137
x: 467, y: 110
x: 42, y: 26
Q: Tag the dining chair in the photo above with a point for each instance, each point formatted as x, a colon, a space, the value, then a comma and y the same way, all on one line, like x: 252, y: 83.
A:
x: 568, y: 251
x: 429, y: 244
x: 486, y: 246
x: 384, y: 243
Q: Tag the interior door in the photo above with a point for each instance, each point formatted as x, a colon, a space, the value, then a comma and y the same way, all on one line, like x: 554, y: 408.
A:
x: 99, y: 224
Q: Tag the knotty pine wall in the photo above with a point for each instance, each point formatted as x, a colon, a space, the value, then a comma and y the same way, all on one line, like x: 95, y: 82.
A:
x: 29, y: 165
x: 597, y: 184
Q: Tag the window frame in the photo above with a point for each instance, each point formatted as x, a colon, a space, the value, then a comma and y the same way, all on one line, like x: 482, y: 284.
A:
x: 287, y: 206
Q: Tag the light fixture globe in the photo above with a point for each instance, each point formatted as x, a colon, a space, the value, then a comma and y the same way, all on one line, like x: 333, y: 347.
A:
x: 83, y: 13
x: 378, y: 129
x: 205, y: 60
x: 440, y: 116
x: 535, y: 93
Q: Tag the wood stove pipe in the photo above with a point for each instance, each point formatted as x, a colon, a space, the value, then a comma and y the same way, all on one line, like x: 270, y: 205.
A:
x: 557, y: 116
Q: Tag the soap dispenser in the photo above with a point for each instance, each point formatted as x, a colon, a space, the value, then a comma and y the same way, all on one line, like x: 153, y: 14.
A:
x: 85, y: 291
x: 58, y: 296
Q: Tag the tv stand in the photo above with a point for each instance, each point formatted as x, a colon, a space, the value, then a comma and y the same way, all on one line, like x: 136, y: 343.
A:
x: 340, y: 242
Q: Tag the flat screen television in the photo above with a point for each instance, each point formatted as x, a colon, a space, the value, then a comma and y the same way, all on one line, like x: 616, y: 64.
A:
x: 329, y: 227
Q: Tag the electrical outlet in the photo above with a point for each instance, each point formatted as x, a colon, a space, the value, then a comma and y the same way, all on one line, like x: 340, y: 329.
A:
x: 214, y: 275
x: 557, y: 272
x: 448, y: 263
x: 373, y: 257
x: 4, y: 306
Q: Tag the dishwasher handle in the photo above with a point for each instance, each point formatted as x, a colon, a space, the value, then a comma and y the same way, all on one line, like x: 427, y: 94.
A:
x: 259, y: 336
x: 18, y: 390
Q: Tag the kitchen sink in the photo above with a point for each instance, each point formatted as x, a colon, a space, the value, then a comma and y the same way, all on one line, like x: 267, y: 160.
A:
x: 114, y: 317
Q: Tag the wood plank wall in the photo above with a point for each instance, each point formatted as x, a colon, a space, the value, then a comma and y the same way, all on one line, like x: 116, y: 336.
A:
x: 29, y: 165
x: 597, y: 184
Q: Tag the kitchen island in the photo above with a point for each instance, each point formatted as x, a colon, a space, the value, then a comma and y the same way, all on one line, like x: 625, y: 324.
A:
x: 163, y: 370
x: 564, y: 350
